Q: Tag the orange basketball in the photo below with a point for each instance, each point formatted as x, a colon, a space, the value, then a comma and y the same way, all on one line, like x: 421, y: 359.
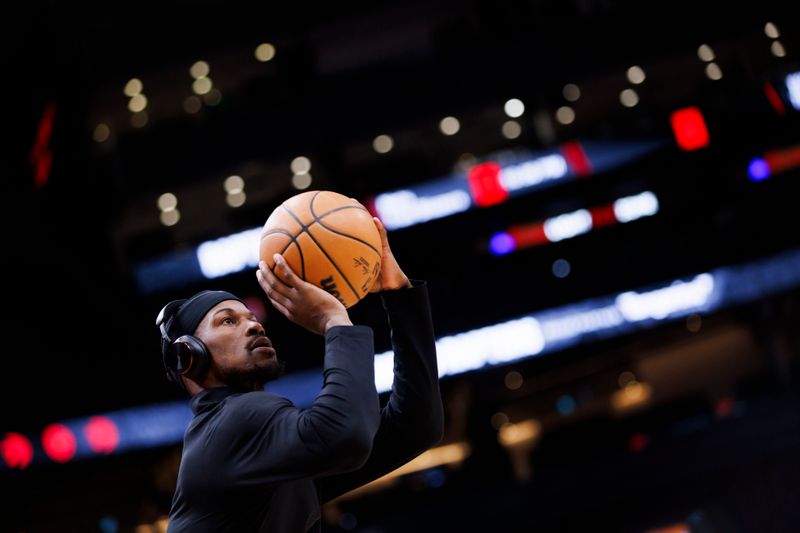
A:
x: 328, y: 239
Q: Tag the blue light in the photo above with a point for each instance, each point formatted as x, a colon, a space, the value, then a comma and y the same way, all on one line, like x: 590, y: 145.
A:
x: 793, y: 89
x: 434, y: 477
x: 758, y: 170
x: 502, y: 243
x: 561, y: 268
x: 348, y: 521
x: 542, y: 332
x: 109, y: 524
x: 565, y: 404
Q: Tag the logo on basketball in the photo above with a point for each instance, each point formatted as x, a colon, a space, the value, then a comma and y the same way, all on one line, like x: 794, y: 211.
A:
x: 329, y: 285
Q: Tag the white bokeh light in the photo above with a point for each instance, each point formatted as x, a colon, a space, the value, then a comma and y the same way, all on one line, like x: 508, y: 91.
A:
x: 199, y: 69
x: 705, y: 53
x: 300, y: 165
x: 133, y: 87
x: 301, y: 181
x: 511, y: 129
x: 449, y: 125
x: 514, y: 108
x: 565, y: 115
x: 629, y: 98
x: 713, y: 72
x: 635, y: 75
x: 383, y: 144
x: 571, y: 92
x: 265, y: 52
x: 233, y: 184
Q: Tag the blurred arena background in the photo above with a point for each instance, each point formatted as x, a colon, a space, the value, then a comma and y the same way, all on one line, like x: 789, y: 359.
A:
x: 602, y: 195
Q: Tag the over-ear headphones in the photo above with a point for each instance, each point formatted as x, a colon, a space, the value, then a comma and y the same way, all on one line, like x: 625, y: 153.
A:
x: 185, y: 356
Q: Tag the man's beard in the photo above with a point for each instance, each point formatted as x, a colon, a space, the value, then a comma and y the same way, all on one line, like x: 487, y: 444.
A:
x: 251, y: 379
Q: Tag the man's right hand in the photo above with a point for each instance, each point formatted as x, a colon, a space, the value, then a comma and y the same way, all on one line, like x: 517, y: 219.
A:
x: 301, y: 302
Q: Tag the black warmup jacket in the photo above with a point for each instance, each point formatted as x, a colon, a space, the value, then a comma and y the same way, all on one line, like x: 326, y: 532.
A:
x: 253, y: 462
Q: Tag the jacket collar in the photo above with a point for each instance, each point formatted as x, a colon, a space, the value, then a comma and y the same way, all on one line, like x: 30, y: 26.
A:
x: 209, y: 398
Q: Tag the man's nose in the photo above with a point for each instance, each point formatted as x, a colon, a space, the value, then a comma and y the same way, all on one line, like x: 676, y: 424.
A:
x: 256, y: 328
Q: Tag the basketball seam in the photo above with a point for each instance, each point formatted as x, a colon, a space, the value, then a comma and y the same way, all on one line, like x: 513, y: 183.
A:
x: 276, y: 230
x: 318, y: 218
x: 334, y: 210
x: 365, y: 243
x: 293, y: 240
x: 305, y: 229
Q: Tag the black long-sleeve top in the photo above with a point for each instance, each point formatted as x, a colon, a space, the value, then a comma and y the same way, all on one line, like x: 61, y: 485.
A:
x: 255, y: 462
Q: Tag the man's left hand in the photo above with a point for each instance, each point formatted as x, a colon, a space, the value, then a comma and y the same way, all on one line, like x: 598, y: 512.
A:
x: 391, y: 276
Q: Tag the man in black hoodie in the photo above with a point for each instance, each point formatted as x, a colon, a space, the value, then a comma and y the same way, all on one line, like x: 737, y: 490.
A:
x: 252, y: 461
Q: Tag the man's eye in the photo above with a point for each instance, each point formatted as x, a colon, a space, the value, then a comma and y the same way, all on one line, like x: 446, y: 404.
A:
x: 227, y: 320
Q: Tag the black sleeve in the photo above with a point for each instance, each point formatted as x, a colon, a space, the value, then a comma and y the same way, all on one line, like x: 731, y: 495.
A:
x: 412, y: 419
x: 274, y: 441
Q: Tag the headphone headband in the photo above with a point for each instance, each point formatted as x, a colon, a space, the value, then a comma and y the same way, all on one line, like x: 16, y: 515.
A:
x: 165, y: 317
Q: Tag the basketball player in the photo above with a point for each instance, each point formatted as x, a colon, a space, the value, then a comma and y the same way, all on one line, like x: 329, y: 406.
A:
x: 251, y: 460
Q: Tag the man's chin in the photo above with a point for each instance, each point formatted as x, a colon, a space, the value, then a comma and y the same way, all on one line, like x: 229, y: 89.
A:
x: 274, y: 369
x: 256, y: 378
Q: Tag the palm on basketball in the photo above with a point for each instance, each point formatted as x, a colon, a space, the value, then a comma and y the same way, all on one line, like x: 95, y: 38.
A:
x: 301, y: 302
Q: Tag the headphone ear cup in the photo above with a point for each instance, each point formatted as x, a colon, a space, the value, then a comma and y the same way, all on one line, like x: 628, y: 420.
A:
x: 191, y: 357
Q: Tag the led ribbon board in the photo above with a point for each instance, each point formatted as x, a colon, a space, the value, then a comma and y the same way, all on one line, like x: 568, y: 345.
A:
x: 516, y: 339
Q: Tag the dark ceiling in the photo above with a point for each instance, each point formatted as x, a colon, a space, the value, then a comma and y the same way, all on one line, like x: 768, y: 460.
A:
x: 721, y: 432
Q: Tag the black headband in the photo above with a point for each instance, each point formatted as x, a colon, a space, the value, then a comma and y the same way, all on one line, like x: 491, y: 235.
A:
x: 190, y: 312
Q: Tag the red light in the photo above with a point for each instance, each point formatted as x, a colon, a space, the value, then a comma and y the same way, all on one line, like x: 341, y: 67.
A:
x: 603, y: 216
x: 689, y: 128
x: 369, y: 203
x: 783, y: 160
x: 773, y: 98
x: 724, y: 407
x: 485, y: 186
x: 577, y: 159
x: 529, y: 235
x: 17, y: 450
x: 41, y: 157
x: 675, y: 528
x: 638, y: 442
x: 58, y: 442
x: 101, y: 434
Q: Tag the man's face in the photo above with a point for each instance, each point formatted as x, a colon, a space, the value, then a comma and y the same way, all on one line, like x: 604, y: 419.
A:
x: 242, y: 355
